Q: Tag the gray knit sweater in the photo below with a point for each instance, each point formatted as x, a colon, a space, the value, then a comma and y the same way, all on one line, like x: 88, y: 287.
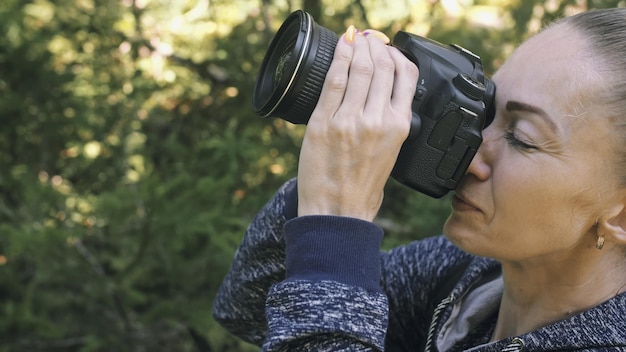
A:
x: 320, y: 283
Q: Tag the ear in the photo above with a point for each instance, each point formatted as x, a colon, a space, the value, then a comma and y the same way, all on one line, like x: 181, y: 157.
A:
x: 612, y: 224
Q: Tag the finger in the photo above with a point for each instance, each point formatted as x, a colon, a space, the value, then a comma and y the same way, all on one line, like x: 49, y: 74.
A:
x: 382, y: 81
x: 361, y: 70
x: 336, y: 80
x: 405, y: 82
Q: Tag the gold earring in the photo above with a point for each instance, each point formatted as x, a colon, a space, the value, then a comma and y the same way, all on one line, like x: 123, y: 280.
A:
x: 600, y: 242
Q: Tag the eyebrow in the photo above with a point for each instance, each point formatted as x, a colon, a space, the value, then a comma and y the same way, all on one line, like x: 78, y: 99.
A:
x: 512, y: 105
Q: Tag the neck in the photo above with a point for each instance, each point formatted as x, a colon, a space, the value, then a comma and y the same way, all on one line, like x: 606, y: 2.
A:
x: 540, y: 293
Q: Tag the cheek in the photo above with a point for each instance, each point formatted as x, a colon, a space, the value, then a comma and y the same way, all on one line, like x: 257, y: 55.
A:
x: 542, y: 205
x: 525, y: 190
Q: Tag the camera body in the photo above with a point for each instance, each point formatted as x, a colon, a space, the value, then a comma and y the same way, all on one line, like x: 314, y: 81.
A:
x: 453, y: 100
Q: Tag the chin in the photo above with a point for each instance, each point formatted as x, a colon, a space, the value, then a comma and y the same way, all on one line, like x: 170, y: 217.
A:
x: 464, y: 237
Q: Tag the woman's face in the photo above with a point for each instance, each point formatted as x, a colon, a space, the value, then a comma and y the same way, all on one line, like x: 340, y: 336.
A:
x: 539, y: 181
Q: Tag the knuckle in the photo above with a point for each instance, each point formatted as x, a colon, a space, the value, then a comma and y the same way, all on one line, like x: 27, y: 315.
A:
x: 342, y: 55
x: 341, y: 130
x: 375, y: 129
x: 337, y: 83
x: 369, y: 126
x: 404, y: 63
x: 404, y: 125
x: 385, y: 63
x: 398, y: 135
x: 362, y: 67
x: 412, y: 69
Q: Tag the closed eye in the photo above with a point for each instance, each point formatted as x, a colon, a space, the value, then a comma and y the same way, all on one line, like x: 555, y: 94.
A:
x: 515, y: 142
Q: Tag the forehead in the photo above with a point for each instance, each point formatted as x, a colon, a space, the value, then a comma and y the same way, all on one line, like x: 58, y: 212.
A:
x: 551, y: 70
x: 554, y: 71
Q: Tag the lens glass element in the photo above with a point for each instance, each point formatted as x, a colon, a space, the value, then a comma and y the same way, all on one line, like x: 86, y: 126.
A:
x: 285, y: 61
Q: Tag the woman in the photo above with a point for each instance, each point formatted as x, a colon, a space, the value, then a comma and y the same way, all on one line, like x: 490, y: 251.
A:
x: 534, y: 253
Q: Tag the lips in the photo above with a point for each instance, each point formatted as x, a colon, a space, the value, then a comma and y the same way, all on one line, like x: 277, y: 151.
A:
x: 461, y: 202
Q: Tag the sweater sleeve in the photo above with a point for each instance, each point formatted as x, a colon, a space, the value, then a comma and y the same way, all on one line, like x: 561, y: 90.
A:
x: 259, y: 263
x: 331, y: 299
x: 311, y: 283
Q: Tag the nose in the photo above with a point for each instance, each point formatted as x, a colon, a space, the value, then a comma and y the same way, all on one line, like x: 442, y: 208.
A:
x: 480, y: 167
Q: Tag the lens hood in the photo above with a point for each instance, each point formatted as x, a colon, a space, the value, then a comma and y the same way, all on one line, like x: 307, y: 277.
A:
x: 293, y: 70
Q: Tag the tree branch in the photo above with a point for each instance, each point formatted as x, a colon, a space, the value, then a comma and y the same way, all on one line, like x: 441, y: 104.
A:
x: 361, y: 7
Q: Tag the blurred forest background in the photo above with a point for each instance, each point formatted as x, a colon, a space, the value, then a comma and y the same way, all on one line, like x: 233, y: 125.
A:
x: 131, y: 160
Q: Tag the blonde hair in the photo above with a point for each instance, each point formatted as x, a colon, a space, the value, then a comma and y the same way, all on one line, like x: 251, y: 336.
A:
x: 605, y: 33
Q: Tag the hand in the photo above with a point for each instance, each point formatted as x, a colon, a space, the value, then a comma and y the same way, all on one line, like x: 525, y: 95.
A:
x: 354, y: 134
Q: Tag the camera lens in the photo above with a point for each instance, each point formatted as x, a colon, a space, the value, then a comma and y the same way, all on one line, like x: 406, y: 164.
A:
x: 293, y: 70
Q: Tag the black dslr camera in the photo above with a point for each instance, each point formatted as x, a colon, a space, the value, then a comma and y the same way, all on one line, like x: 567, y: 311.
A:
x: 452, y: 104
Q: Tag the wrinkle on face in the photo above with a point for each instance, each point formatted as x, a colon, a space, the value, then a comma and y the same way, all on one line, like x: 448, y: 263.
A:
x: 541, y: 202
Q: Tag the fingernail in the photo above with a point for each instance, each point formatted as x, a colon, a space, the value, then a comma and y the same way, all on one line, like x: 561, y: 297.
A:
x: 377, y: 34
x: 350, y: 32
